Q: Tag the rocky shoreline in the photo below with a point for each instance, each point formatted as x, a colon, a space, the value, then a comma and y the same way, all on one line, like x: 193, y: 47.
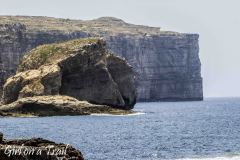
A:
x: 39, y: 106
x: 36, y: 148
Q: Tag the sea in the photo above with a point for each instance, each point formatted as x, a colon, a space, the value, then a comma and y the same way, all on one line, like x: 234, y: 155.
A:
x: 204, y: 130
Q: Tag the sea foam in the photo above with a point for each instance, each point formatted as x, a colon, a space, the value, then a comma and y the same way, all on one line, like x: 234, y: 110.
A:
x: 132, y: 114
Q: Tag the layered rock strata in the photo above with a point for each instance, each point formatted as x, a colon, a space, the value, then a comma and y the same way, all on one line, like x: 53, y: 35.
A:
x: 166, y: 63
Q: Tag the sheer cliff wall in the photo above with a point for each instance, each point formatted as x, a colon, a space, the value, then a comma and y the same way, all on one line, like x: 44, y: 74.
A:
x: 167, y: 64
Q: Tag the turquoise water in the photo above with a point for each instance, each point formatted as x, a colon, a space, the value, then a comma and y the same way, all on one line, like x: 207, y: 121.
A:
x: 168, y: 130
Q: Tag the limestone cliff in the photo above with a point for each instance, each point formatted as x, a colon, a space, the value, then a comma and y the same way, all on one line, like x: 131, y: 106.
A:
x: 166, y: 63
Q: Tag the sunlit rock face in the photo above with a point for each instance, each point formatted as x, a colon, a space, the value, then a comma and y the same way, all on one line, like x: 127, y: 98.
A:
x: 166, y: 64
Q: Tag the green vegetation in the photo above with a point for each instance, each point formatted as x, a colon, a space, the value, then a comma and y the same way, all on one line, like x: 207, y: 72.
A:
x: 47, y: 54
x: 100, y: 26
x: 42, y: 23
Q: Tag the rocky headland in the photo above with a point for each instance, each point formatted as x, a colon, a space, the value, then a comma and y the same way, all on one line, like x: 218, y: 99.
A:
x: 77, y: 77
x: 167, y: 64
x: 37, y: 149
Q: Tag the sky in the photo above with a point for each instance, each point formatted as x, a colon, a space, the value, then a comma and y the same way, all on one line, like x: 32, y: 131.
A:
x: 216, y: 21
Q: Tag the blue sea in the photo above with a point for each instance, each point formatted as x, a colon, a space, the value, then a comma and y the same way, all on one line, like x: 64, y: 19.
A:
x: 160, y: 130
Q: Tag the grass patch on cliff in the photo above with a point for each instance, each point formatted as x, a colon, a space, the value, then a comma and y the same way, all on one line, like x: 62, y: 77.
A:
x: 51, y: 53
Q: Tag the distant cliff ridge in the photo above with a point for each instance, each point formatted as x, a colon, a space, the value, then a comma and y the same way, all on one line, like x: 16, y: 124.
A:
x: 166, y: 63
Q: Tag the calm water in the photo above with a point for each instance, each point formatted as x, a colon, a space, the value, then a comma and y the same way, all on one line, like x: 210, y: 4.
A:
x: 169, y: 130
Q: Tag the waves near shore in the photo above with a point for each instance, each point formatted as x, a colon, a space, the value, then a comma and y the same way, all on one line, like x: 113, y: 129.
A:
x: 227, y: 157
x: 132, y: 114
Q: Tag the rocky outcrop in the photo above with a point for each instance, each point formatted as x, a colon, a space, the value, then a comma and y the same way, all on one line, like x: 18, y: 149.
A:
x: 83, y: 69
x: 166, y: 63
x: 36, y: 148
x: 55, y: 106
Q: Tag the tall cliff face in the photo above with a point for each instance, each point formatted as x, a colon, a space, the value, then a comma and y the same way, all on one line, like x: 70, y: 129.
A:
x: 167, y: 64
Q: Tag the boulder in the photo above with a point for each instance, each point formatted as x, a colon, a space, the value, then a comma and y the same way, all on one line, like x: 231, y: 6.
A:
x: 83, y: 69
x: 37, y: 148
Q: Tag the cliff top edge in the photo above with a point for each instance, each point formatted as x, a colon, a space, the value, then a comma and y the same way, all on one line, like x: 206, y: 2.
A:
x: 102, y: 25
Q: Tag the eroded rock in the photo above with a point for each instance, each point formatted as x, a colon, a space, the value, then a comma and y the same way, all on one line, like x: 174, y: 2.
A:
x: 83, y: 69
x: 55, y: 106
x: 44, y: 81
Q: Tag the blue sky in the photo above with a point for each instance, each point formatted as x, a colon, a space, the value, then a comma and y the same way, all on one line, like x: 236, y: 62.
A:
x: 217, y: 22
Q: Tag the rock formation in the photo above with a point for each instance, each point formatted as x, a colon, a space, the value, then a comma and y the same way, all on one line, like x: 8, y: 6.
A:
x: 166, y: 63
x: 55, y: 106
x: 36, y: 148
x: 83, y: 69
